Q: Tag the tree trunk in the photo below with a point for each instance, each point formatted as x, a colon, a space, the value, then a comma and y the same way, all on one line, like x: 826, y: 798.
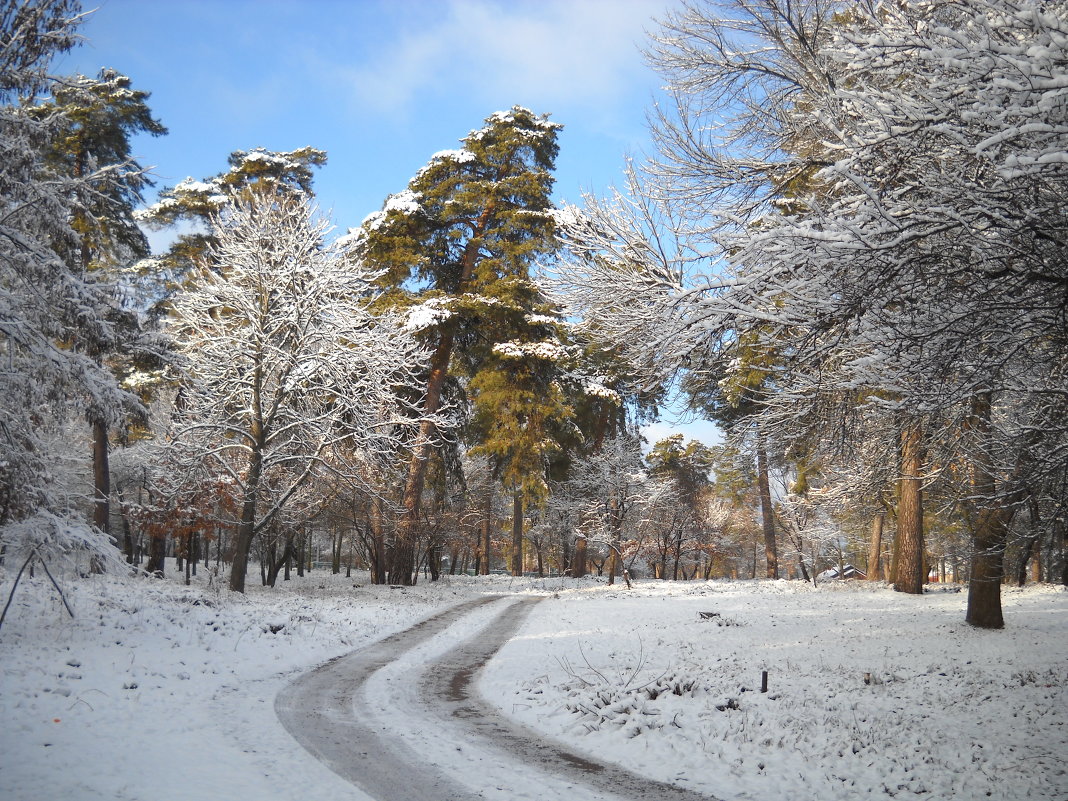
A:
x: 378, y: 534
x: 336, y: 542
x: 1064, y: 551
x: 909, y: 577
x: 246, y: 529
x: 157, y: 554
x: 990, y: 519
x: 487, y: 532
x: 275, y: 566
x: 127, y: 532
x: 767, y: 512
x: 1031, y: 546
x: 101, y: 479
x: 101, y: 487
x: 287, y: 558
x: 433, y: 560
x: 875, y: 552
x: 616, y: 544
x: 517, y: 533
x: 578, y: 561
x: 402, y: 563
x: 677, y: 555
x: 1025, y: 557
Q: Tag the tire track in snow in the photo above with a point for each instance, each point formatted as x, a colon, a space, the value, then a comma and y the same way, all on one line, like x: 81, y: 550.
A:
x: 319, y: 709
x: 448, y: 689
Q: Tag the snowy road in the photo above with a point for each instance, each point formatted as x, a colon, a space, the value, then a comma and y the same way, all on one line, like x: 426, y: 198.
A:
x: 401, y: 719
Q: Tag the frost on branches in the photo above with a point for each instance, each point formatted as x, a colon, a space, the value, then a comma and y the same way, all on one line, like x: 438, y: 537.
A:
x: 287, y: 372
x: 52, y: 317
x: 886, y: 185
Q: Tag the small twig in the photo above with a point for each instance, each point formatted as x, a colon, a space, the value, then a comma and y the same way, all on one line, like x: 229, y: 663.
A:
x: 11, y: 595
x: 54, y: 584
x: 596, y: 672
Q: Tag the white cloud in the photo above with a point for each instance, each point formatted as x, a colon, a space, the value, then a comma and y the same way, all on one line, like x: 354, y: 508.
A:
x: 548, y: 54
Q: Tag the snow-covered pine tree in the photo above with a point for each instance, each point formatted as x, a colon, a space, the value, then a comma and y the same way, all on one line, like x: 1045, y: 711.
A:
x: 54, y: 318
x: 520, y: 411
x: 94, y: 119
x: 471, y: 221
x: 191, y: 206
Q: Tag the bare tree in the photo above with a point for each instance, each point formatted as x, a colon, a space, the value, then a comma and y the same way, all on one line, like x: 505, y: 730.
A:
x: 286, y: 370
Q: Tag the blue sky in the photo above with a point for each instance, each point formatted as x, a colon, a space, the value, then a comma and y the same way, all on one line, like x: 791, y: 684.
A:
x: 379, y: 85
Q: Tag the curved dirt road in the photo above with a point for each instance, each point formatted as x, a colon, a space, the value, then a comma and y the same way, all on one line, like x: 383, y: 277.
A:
x: 401, y: 720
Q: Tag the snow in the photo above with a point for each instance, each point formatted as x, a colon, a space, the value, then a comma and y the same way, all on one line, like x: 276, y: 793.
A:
x: 546, y: 349
x: 461, y: 156
x: 428, y: 314
x: 405, y: 202
x: 194, y: 186
x: 596, y: 389
x: 156, y: 690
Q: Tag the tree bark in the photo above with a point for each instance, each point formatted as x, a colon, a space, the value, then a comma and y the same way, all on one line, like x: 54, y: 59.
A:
x: 157, y: 554
x: 101, y: 478
x: 246, y: 529
x: 336, y: 542
x: 487, y: 532
x: 433, y: 560
x: 767, y: 512
x: 101, y: 487
x: 990, y: 519
x: 1030, y: 546
x: 287, y: 558
x: 1025, y: 558
x: 615, y: 518
x: 378, y: 533
x: 875, y: 552
x: 909, y: 577
x: 517, y: 533
x: 677, y: 555
x: 1064, y: 551
x: 578, y: 561
x: 275, y: 566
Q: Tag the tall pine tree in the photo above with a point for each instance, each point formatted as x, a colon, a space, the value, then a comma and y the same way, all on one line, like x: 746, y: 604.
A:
x: 520, y: 407
x: 471, y: 221
x: 96, y: 119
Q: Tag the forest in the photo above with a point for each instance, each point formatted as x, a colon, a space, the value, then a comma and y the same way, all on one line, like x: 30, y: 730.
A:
x: 849, y: 249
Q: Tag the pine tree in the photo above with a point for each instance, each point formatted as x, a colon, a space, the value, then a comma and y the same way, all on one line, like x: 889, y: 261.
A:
x: 196, y: 203
x: 470, y: 221
x: 54, y: 317
x: 96, y: 118
x: 520, y: 409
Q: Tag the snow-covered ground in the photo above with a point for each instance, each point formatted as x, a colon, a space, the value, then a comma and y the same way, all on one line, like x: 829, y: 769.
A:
x: 158, y: 691
x: 871, y: 693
